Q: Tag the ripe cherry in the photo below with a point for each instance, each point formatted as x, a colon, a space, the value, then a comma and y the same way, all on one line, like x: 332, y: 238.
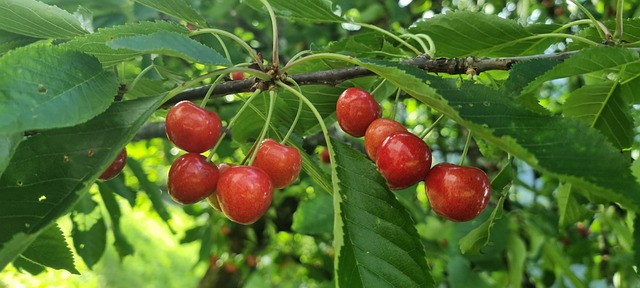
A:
x: 116, y: 166
x: 403, y: 160
x: 192, y: 178
x: 355, y: 110
x: 324, y: 156
x: 237, y: 75
x: 244, y: 193
x: 192, y: 128
x: 458, y: 193
x: 213, y: 198
x: 377, y: 132
x: 281, y: 162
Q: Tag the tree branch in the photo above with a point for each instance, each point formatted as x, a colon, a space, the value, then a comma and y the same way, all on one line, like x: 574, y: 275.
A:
x: 336, y: 76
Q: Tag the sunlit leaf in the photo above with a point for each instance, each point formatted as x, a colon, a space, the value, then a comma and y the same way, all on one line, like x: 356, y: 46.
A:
x: 121, y: 243
x: 377, y: 242
x: 37, y: 19
x: 516, y: 255
x: 314, y: 216
x: 176, y: 8
x: 33, y: 91
x: 9, y: 41
x: 89, y: 232
x: 8, y: 145
x: 151, y: 189
x: 50, y: 249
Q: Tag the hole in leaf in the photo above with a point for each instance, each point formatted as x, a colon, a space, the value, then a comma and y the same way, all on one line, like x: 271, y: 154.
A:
x: 19, y: 183
x: 42, y: 89
x: 42, y: 198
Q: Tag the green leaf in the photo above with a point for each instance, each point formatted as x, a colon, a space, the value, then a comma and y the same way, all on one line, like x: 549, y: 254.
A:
x: 37, y: 19
x: 172, y: 44
x: 631, y: 32
x: 34, y: 92
x: 32, y: 268
x: 10, y: 41
x: 89, y: 231
x: 636, y: 241
x: 516, y: 255
x: 568, y: 207
x: 560, y: 147
x: 51, y: 170
x: 151, y: 189
x: 588, y: 60
x: 50, y: 249
x: 118, y: 187
x: 552, y: 254
x: 121, y: 243
x: 314, y: 216
x: 377, y: 241
x: 313, y: 11
x: 176, y: 8
x: 479, y: 237
x: 96, y: 44
x: 8, y: 145
x: 602, y: 107
x: 628, y: 91
x: 465, y: 33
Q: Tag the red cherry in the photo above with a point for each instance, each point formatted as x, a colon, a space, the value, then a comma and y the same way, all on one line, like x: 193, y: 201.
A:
x: 237, y: 75
x: 355, y: 110
x: 324, y: 156
x: 244, y: 193
x: 192, y: 128
x: 377, y: 132
x: 116, y: 166
x: 458, y: 193
x: 281, y: 162
x: 213, y: 198
x: 192, y: 178
x: 403, y: 159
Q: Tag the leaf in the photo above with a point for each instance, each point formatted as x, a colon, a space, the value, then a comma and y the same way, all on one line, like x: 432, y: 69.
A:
x: 601, y: 107
x: 313, y: 11
x: 588, y: 60
x: 176, y: 8
x: 552, y: 254
x: 10, y: 41
x: 516, y: 255
x: 172, y: 44
x: 33, y: 92
x: 560, y: 147
x: 32, y: 268
x: 631, y: 32
x: 479, y: 237
x: 121, y: 243
x: 51, y: 250
x: 51, y: 170
x: 8, y: 145
x: 377, y: 242
x: 96, y: 44
x: 151, y: 189
x: 636, y: 241
x: 89, y: 231
x: 117, y: 185
x: 37, y: 19
x: 314, y: 216
x: 628, y: 91
x: 465, y: 33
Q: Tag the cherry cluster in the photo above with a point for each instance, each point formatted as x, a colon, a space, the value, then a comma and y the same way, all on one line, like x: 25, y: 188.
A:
x: 458, y: 193
x: 242, y: 192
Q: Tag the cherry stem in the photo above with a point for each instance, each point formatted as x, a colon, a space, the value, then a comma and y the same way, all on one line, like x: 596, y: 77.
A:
x: 231, y: 122
x: 265, y: 128
x: 251, y: 51
x: 298, y: 113
x: 298, y: 55
x: 466, y: 148
x: 274, y: 26
x: 432, y: 45
x: 395, y: 104
x: 319, y: 56
x: 376, y: 28
x: 417, y: 39
x: 137, y: 79
x: 210, y: 90
x: 603, y: 31
x: 426, y: 132
x: 224, y: 47
x: 619, y: 11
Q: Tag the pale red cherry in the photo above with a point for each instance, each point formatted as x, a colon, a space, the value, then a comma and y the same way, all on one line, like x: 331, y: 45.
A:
x: 116, y: 166
x: 281, y: 162
x: 377, y: 132
x: 192, y: 128
x: 458, y: 193
x: 403, y: 160
x: 237, y: 75
x: 191, y: 178
x: 213, y: 198
x: 355, y: 110
x: 244, y: 193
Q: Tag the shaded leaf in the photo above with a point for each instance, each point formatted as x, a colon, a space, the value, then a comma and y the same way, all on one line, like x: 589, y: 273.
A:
x: 51, y: 170
x: 118, y: 186
x: 89, y: 232
x: 568, y: 207
x: 172, y: 44
x: 37, y: 19
x: 376, y: 240
x: 32, y: 268
x: 10, y: 41
x: 516, y: 255
x: 176, y: 8
x: 601, y: 107
x: 8, y: 145
x: 50, y: 249
x: 302, y: 10
x: 479, y: 237
x: 96, y: 44
x: 151, y: 189
x: 123, y: 247
x: 33, y: 91
x: 314, y: 216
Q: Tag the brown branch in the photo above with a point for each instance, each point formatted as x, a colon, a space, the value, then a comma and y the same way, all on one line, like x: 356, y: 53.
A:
x: 336, y: 76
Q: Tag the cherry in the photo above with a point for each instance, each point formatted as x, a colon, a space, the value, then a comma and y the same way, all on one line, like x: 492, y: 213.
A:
x: 281, y: 162
x: 377, y: 132
x: 192, y: 128
x: 458, y: 193
x: 324, y: 156
x: 403, y: 159
x: 237, y: 75
x: 213, y: 198
x: 244, y: 193
x: 116, y: 166
x: 192, y: 178
x: 355, y: 110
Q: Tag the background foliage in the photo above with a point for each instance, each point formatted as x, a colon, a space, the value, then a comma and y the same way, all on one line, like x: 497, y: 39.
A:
x: 558, y: 138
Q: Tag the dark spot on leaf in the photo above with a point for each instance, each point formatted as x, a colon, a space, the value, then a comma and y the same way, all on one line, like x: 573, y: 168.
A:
x: 42, y: 89
x: 65, y: 159
x: 19, y: 183
x: 90, y: 153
